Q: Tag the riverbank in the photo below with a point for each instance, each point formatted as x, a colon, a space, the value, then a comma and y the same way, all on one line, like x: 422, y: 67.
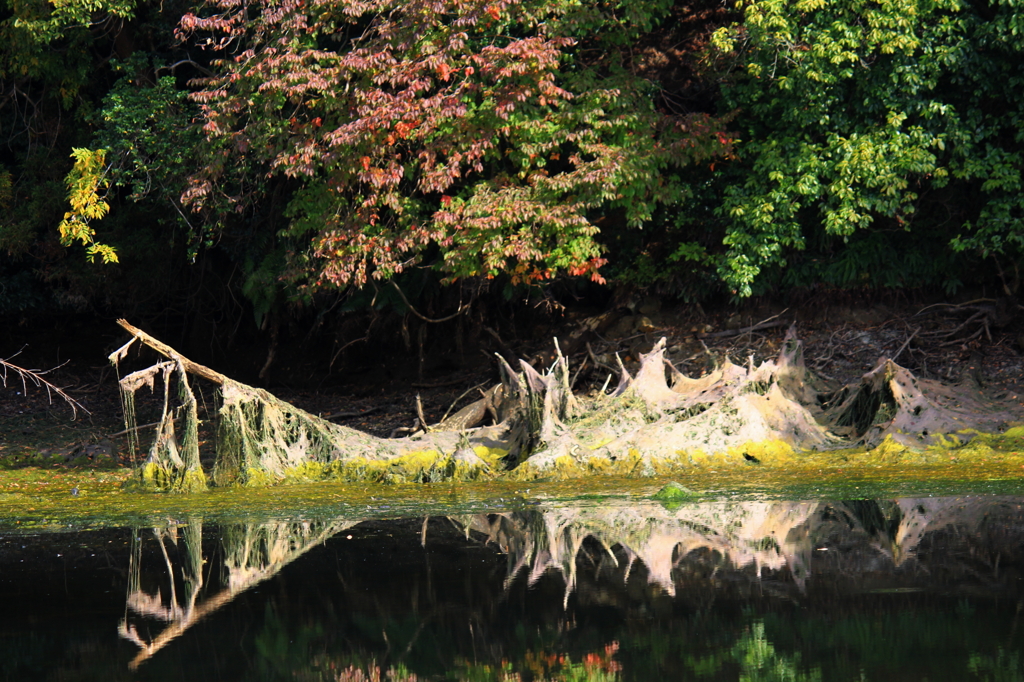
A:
x: 945, y: 341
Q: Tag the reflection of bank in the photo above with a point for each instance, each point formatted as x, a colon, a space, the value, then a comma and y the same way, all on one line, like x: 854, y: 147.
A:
x: 775, y: 547
x: 253, y: 552
x: 790, y: 539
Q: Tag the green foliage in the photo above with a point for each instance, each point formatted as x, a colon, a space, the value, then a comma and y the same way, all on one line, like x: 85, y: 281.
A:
x: 858, y: 116
x: 46, y: 22
x: 84, y: 181
x: 147, y: 129
x: 1003, y: 667
x: 327, y: 144
x: 758, y: 661
x: 55, y: 69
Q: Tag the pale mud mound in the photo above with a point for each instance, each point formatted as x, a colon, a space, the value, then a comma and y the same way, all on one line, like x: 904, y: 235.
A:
x: 759, y: 413
x: 891, y: 402
x: 652, y: 423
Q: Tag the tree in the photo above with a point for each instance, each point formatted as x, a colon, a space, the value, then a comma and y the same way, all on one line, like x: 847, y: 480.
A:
x: 873, y: 119
x: 90, y: 99
x: 475, y: 137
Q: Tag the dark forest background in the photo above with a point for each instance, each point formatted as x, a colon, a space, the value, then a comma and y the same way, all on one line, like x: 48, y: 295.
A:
x: 239, y: 174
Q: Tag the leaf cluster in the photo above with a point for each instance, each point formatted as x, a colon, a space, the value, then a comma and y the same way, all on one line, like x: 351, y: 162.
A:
x: 870, y: 116
x: 480, y: 138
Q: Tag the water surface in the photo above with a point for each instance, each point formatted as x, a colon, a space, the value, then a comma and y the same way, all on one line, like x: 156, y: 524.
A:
x: 894, y: 588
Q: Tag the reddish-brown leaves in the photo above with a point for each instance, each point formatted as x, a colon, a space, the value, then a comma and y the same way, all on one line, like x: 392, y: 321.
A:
x: 432, y: 125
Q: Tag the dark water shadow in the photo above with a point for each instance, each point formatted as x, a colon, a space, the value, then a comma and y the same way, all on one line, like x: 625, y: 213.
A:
x: 910, y: 588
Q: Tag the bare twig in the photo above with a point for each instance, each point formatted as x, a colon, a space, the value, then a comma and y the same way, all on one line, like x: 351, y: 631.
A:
x: 955, y: 305
x: 351, y: 413
x: 439, y: 384
x: 578, y: 372
x: 35, y: 377
x: 821, y: 360
x: 597, y: 363
x: 766, y: 324
x: 419, y: 414
x: 338, y: 352
x: 452, y: 406
x: 947, y: 333
x: 139, y: 428
x: 462, y: 308
x: 905, y: 344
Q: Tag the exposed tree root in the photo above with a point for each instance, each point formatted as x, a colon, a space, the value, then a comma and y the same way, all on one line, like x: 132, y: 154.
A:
x: 746, y: 414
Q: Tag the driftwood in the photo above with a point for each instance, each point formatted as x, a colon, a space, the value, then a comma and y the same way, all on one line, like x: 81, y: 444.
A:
x: 252, y: 553
x: 655, y: 421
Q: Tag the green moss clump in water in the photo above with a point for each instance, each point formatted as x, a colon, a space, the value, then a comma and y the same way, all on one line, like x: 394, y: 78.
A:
x: 151, y: 477
x: 673, y: 495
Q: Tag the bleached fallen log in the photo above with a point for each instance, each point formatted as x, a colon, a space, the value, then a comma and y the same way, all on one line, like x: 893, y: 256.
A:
x: 654, y: 422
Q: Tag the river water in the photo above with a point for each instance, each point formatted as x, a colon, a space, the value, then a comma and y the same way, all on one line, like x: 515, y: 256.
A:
x: 926, y: 588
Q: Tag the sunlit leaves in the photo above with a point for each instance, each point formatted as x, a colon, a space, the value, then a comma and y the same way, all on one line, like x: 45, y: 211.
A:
x: 853, y: 112
x: 84, y: 181
x: 464, y: 134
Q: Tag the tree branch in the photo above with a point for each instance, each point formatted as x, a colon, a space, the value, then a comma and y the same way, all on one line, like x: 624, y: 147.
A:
x: 34, y: 376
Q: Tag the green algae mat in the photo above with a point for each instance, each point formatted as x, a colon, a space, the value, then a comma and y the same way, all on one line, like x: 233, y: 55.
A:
x: 34, y: 499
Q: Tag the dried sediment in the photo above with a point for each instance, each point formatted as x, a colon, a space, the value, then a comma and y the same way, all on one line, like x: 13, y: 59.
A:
x: 653, y: 422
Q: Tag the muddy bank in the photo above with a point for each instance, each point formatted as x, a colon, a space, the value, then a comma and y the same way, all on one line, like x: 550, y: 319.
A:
x: 840, y: 345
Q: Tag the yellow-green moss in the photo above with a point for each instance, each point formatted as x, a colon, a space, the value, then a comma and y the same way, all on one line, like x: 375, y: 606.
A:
x: 307, y: 472
x: 192, y: 481
x: 1010, y: 441
x: 420, y: 466
x: 493, y: 456
x: 258, y: 478
x: 151, y: 477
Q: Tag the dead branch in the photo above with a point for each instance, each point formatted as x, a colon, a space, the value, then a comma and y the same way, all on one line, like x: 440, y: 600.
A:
x: 125, y: 432
x: 456, y: 402
x: 35, y: 377
x: 168, y: 352
x: 462, y: 308
x: 744, y: 330
x: 955, y: 306
x: 905, y: 344
x: 351, y: 413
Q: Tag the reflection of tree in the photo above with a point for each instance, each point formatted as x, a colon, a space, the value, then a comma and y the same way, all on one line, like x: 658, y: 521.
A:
x: 757, y: 660
x: 253, y: 552
x: 1003, y: 667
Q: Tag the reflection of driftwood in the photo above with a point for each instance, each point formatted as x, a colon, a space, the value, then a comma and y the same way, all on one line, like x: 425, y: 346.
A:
x: 778, y: 536
x: 254, y: 553
x: 743, y: 533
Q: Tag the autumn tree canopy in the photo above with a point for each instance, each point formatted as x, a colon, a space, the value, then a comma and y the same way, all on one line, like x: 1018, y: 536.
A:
x: 482, y: 138
x: 699, y: 150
